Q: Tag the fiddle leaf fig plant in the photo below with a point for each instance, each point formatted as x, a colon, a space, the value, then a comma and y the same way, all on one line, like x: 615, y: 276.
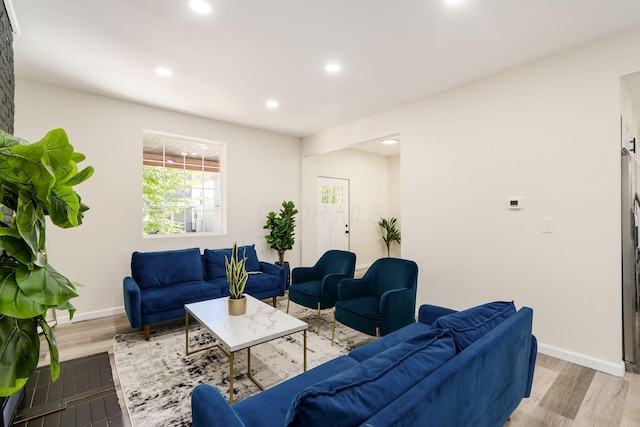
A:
x: 281, y: 229
x: 36, y: 181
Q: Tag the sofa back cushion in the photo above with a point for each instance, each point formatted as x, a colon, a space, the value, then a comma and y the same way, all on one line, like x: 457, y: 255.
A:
x: 153, y: 269
x: 214, y: 260
x: 353, y: 396
x: 468, y: 325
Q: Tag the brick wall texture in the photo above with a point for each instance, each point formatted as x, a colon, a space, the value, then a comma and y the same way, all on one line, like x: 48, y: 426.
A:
x: 7, y: 77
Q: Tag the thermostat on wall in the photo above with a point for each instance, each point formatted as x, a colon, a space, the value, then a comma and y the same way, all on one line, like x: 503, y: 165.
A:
x: 515, y: 203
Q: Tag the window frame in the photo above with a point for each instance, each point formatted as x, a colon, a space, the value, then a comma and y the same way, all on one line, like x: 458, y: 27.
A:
x: 223, y: 184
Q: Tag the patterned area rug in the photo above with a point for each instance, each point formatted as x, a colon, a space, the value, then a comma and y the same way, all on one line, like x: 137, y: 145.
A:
x: 157, y: 378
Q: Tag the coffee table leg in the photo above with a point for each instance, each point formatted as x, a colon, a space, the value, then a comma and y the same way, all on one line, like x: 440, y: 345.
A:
x: 231, y: 354
x: 186, y: 328
x: 251, y: 377
x: 304, y: 349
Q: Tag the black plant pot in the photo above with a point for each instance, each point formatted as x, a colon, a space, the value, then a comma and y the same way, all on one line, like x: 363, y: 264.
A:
x: 287, y: 272
x: 10, y: 407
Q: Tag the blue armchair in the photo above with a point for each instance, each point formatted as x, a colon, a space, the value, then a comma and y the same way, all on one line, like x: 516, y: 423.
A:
x: 317, y: 286
x: 383, y: 301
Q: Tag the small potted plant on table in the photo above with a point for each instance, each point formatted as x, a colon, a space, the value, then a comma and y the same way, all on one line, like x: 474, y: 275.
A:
x: 237, y: 278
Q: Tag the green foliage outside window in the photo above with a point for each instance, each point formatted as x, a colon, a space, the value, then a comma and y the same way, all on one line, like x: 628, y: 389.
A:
x: 162, y: 194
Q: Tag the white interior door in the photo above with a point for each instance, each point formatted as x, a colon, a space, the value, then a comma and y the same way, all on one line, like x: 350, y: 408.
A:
x: 332, y: 207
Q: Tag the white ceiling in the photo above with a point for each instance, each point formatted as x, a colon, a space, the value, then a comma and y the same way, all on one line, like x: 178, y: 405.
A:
x: 228, y: 63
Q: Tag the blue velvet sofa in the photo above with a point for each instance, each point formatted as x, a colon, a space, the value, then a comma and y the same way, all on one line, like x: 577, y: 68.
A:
x: 467, y: 368
x: 161, y: 283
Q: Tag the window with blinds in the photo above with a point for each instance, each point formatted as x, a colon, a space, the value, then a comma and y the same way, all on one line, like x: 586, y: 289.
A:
x: 181, y: 185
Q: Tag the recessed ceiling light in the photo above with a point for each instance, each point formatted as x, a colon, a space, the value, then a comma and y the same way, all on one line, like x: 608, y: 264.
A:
x: 200, y: 6
x: 389, y: 141
x: 272, y: 103
x: 163, y: 71
x: 333, y: 68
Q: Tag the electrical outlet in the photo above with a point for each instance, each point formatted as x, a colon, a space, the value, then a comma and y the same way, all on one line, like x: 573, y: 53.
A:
x: 547, y: 225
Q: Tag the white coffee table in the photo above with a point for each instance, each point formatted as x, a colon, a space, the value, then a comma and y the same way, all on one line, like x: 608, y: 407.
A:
x: 261, y: 323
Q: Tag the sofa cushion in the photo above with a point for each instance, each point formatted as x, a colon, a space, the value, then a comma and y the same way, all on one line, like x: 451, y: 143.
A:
x: 214, y: 260
x: 257, y: 283
x: 170, y: 297
x: 154, y: 269
x: 351, y: 397
x: 396, y: 337
x: 468, y: 325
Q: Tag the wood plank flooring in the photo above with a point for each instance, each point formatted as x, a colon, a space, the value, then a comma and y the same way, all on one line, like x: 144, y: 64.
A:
x: 564, y: 394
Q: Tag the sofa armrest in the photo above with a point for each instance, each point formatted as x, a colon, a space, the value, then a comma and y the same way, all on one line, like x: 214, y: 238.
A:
x: 268, y: 268
x: 429, y: 313
x: 209, y: 408
x: 397, y: 306
x: 351, y: 289
x: 330, y: 284
x: 132, y: 301
x: 275, y: 270
x: 303, y: 274
x: 532, y: 364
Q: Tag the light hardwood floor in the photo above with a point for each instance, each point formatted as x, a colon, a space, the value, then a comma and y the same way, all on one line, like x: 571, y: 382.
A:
x: 564, y: 394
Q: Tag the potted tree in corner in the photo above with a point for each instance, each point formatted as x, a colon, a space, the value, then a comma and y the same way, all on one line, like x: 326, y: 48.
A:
x: 389, y: 232
x: 237, y: 277
x: 281, y: 232
x: 36, y: 181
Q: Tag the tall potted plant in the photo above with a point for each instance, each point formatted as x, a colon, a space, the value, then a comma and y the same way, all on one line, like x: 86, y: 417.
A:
x: 389, y: 231
x: 237, y: 277
x: 36, y: 181
x: 281, y: 229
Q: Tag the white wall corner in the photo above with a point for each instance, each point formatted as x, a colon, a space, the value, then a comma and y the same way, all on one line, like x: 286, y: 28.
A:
x: 611, y: 368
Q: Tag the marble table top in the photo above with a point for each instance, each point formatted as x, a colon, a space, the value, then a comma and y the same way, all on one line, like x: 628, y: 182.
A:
x: 261, y: 322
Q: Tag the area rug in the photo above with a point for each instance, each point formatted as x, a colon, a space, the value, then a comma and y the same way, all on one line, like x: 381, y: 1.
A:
x: 157, y: 378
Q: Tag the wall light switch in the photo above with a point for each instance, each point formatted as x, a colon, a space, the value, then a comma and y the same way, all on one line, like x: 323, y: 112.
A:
x: 547, y: 225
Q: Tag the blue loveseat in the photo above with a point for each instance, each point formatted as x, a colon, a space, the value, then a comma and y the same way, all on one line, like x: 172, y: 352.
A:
x: 467, y: 368
x: 161, y: 283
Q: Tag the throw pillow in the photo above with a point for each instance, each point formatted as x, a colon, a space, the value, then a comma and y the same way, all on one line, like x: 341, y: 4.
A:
x: 252, y: 263
x: 468, y: 325
x: 162, y: 268
x: 355, y: 395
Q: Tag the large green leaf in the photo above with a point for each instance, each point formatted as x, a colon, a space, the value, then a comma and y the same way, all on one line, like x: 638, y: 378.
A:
x: 13, y: 302
x: 45, y: 285
x: 78, y: 157
x: 54, y: 366
x: 17, y: 248
x: 19, y: 352
x: 30, y: 152
x: 58, y: 151
x: 30, y: 221
x: 81, y: 176
x: 64, y: 207
x: 68, y: 306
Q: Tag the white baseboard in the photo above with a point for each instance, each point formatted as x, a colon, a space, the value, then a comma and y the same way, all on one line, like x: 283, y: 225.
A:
x: 63, y: 316
x: 616, y: 369
x: 363, y: 266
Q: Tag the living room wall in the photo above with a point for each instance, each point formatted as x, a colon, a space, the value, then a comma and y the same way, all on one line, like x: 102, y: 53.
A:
x: 547, y: 131
x: 263, y: 169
